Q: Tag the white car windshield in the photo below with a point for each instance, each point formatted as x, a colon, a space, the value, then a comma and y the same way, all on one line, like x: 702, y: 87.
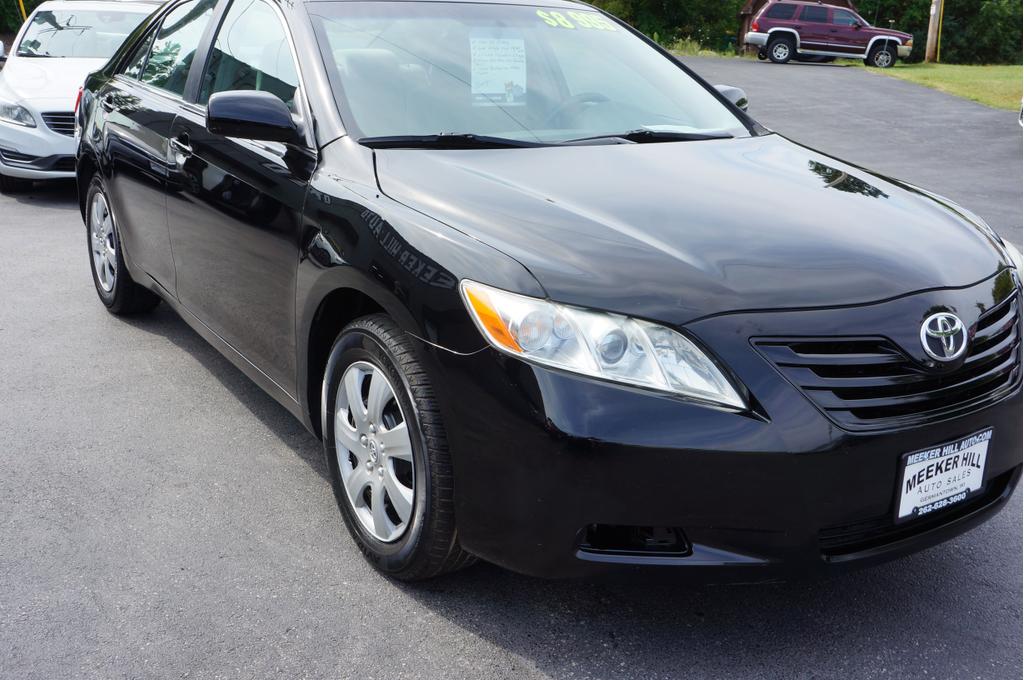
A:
x: 77, y: 33
x: 530, y: 73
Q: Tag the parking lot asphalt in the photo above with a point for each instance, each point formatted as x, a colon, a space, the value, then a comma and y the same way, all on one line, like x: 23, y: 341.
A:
x: 161, y: 517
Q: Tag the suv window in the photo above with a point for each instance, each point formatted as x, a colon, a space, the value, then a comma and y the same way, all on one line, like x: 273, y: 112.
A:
x: 251, y: 53
x: 841, y: 17
x: 176, y: 44
x: 817, y: 15
x: 781, y: 11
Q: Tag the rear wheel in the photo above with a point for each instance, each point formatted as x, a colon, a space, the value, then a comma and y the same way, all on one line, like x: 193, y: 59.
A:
x: 117, y: 291
x: 781, y: 50
x: 387, y: 452
x: 881, y: 56
x: 14, y: 185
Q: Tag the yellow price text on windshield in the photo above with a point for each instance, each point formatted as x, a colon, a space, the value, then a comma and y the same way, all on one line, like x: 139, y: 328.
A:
x: 576, y: 20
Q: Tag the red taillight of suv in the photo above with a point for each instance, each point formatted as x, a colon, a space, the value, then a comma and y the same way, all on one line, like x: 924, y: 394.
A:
x: 78, y: 99
x: 754, y: 27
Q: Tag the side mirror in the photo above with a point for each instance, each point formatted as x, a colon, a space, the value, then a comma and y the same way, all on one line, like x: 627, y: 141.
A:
x: 734, y: 94
x: 250, y: 114
x: 856, y: 26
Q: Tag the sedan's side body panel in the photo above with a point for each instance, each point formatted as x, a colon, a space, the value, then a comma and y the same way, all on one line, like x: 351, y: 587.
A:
x: 234, y: 213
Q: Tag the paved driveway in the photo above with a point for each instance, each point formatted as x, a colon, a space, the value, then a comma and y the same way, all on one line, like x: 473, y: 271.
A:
x: 161, y: 517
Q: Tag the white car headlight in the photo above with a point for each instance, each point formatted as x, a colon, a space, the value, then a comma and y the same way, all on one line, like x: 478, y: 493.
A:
x: 1015, y: 256
x: 597, y: 344
x: 16, y: 114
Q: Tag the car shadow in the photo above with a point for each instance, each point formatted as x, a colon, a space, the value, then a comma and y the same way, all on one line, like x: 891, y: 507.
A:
x: 608, y: 630
x: 59, y: 194
x: 166, y: 323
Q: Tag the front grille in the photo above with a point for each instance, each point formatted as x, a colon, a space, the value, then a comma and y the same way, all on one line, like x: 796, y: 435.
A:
x: 847, y: 539
x: 62, y: 123
x: 16, y: 156
x: 865, y: 383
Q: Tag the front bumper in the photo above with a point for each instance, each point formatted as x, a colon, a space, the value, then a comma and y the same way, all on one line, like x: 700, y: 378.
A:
x: 756, y: 39
x: 903, y: 51
x: 36, y: 153
x: 542, y: 455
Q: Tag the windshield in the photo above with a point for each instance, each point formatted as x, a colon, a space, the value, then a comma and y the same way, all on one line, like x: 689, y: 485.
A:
x: 508, y: 71
x: 74, y: 33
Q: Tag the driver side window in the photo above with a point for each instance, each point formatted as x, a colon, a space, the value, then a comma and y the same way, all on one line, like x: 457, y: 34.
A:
x: 251, y: 53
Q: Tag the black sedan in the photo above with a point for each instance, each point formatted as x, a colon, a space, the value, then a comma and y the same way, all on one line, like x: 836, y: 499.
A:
x: 550, y: 299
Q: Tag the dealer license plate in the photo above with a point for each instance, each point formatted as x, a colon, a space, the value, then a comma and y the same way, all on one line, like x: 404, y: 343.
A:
x: 942, y: 476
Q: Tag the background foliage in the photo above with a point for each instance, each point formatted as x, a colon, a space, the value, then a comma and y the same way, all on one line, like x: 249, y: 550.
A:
x: 974, y: 31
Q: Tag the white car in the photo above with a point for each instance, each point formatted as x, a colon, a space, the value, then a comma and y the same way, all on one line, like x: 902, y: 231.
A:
x: 58, y: 46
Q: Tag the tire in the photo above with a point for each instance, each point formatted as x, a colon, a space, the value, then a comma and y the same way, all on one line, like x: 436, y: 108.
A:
x: 881, y: 56
x: 370, y: 481
x: 118, y: 292
x: 781, y: 50
x: 14, y: 185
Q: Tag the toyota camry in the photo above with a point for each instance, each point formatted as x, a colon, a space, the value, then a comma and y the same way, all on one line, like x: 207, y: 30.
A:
x: 550, y: 299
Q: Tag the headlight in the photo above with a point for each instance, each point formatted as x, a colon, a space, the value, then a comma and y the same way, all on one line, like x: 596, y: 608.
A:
x: 16, y: 114
x: 608, y: 346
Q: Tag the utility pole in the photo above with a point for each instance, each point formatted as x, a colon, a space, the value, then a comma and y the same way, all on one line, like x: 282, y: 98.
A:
x: 931, y: 50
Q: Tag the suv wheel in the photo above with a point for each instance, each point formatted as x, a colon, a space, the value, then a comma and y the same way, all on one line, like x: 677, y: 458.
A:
x: 387, y: 452
x: 118, y: 292
x: 882, y: 56
x: 780, y: 50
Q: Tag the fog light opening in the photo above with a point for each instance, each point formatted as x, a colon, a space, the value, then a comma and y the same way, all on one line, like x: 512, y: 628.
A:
x: 635, y: 540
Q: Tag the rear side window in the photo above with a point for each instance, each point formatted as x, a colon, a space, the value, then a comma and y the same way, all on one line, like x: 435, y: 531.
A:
x: 780, y: 11
x: 841, y: 17
x: 134, y: 67
x: 176, y: 44
x: 817, y: 15
x: 251, y: 53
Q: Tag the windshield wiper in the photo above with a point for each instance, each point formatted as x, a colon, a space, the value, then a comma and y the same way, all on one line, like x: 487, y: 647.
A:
x: 445, y: 140
x: 644, y: 136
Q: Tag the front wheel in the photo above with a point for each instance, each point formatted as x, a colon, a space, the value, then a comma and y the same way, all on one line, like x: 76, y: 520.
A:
x: 881, y: 56
x: 387, y: 452
x: 781, y: 50
x: 117, y: 291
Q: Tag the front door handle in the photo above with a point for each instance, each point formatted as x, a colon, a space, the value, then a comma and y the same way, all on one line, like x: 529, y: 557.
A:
x: 107, y: 102
x: 180, y: 144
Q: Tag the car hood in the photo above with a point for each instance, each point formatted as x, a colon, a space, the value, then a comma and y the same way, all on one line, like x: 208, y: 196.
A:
x: 678, y: 231
x: 890, y: 32
x: 46, y: 80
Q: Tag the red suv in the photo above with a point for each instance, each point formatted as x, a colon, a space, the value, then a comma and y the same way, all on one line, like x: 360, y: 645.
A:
x: 811, y: 30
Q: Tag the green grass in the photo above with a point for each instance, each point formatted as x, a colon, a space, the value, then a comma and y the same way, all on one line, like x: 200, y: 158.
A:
x: 997, y: 86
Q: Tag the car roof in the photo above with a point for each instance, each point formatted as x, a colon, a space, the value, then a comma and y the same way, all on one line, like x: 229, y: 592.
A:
x: 142, y: 6
x: 577, y: 4
x: 806, y: 2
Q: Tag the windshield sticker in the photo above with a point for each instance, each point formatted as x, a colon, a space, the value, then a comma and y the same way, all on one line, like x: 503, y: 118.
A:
x: 498, y: 71
x: 576, y: 19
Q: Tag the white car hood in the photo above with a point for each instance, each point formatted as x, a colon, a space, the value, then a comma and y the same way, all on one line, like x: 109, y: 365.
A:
x: 51, y: 81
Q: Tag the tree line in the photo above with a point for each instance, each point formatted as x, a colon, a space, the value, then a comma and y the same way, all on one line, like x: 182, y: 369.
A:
x: 974, y: 31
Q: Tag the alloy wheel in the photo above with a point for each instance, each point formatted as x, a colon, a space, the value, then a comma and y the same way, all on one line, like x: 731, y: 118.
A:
x: 104, y: 249
x: 781, y: 51
x: 374, y: 450
x: 883, y: 58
